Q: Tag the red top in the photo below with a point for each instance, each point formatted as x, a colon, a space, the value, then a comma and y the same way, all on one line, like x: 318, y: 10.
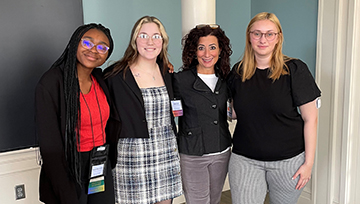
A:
x: 95, y: 112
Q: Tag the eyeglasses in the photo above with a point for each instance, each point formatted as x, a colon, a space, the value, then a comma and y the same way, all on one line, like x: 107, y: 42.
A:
x: 256, y: 35
x: 100, y: 48
x: 156, y: 38
x: 212, y: 26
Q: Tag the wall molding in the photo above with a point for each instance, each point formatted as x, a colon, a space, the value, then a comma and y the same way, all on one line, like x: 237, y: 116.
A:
x: 337, y: 73
x: 18, y: 161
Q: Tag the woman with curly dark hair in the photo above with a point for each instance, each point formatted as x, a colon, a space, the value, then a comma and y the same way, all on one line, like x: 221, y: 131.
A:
x: 203, y: 138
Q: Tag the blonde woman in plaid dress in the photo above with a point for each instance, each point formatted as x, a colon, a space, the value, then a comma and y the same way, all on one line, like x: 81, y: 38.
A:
x: 148, y: 169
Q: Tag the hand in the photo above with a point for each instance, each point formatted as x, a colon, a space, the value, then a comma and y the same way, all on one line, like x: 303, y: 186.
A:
x: 305, y: 175
x: 171, y: 68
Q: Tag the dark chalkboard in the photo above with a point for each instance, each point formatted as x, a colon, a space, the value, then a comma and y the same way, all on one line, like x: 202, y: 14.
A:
x: 33, y: 34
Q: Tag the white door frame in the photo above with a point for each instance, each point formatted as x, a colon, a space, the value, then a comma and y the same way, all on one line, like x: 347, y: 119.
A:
x: 335, y: 177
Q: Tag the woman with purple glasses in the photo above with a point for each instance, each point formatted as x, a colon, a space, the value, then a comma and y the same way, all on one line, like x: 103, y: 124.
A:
x: 77, y: 131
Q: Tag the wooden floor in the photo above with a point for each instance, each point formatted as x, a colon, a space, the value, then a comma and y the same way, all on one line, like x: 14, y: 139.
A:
x: 226, y: 198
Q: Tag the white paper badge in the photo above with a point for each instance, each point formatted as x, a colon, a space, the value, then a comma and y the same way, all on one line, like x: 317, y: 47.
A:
x: 177, y: 108
x: 97, y: 170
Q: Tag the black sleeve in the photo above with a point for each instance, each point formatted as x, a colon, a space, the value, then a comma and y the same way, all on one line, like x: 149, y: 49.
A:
x: 52, y: 146
x: 113, y: 125
x: 176, y: 86
x: 230, y: 79
x: 177, y: 94
x: 304, y: 88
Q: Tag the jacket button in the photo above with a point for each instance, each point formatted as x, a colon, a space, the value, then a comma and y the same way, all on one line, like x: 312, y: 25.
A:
x: 216, y: 92
x: 144, y: 121
x: 189, y: 133
x: 214, y: 106
x: 215, y: 122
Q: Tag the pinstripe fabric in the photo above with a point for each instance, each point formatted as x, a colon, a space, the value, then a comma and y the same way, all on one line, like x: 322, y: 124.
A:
x: 148, y: 169
x: 251, y: 179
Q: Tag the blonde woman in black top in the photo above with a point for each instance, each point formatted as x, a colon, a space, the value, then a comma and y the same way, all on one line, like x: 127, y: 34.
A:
x: 273, y: 144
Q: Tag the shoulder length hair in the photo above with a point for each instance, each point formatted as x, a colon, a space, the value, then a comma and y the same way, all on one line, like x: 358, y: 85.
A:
x: 67, y: 61
x: 131, y: 52
x: 190, y: 45
x: 247, y: 65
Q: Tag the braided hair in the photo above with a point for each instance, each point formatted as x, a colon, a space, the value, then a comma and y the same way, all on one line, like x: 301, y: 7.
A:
x: 67, y: 61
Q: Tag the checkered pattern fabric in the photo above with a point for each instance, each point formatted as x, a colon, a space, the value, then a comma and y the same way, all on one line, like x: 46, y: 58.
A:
x: 148, y: 169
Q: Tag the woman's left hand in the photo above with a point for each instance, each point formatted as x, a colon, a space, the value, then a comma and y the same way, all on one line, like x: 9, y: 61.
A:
x: 305, y: 175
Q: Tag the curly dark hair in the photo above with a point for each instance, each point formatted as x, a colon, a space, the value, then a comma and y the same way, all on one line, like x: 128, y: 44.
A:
x: 190, y: 44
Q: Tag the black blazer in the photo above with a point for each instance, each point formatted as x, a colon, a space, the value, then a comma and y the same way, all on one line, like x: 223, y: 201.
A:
x: 56, y: 184
x: 129, y: 102
x: 203, y: 128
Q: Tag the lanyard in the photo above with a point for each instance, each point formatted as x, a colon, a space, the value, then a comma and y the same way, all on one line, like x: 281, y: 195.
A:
x: 91, y: 123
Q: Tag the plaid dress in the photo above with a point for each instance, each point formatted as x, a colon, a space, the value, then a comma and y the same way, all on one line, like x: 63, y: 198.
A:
x: 148, y: 169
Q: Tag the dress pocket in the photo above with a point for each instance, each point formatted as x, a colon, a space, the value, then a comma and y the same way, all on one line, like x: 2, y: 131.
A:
x: 190, y: 141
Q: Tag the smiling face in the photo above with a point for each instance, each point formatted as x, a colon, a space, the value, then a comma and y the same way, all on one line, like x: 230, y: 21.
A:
x: 262, y: 47
x: 207, y: 53
x: 91, y: 58
x: 149, y: 48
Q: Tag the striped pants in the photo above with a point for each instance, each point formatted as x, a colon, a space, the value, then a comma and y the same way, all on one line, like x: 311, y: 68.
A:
x: 251, y: 179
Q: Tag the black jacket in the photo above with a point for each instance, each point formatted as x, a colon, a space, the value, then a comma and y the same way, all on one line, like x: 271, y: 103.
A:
x: 203, y: 128
x: 129, y: 102
x: 56, y: 184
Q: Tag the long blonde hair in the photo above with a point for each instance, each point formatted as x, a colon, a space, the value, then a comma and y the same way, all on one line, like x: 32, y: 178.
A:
x: 278, y: 59
x: 131, y: 52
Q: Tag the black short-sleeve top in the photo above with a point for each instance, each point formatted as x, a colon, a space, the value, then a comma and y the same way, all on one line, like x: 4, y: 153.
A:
x: 269, y: 126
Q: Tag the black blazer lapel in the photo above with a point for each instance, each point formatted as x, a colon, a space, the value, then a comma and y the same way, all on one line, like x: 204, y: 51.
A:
x: 200, y: 86
x: 131, y: 83
x: 97, y: 73
x: 168, y: 83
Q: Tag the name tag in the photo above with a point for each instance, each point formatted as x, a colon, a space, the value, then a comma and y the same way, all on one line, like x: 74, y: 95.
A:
x: 96, y: 185
x: 177, y: 108
x: 97, y: 170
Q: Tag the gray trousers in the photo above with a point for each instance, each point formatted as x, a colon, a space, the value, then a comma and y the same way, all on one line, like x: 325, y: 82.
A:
x: 203, y: 177
x: 250, y: 179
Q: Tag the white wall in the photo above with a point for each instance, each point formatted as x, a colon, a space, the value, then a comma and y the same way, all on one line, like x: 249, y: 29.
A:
x: 16, y: 168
